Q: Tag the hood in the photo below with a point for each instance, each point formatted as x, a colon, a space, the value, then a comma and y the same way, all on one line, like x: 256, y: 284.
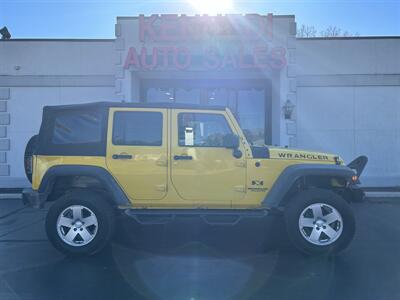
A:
x: 303, y: 155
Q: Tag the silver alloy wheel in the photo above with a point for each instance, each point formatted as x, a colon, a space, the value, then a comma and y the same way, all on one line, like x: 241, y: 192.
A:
x: 77, y: 225
x: 320, y: 224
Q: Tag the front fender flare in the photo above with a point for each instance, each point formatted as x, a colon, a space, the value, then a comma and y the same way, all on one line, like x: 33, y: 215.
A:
x: 108, y: 182
x: 292, y: 173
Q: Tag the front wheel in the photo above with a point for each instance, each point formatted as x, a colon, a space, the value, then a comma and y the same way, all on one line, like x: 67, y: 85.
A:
x: 319, y: 222
x: 80, y: 223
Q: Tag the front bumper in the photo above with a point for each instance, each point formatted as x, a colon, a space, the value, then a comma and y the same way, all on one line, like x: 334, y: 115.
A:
x: 358, y: 166
x: 33, y: 198
x: 357, y: 194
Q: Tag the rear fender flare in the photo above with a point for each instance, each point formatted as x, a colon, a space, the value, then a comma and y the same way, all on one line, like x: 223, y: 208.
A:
x: 108, y: 182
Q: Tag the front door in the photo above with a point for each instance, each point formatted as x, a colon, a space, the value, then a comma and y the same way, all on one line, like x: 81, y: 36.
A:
x: 137, y: 151
x: 204, y: 171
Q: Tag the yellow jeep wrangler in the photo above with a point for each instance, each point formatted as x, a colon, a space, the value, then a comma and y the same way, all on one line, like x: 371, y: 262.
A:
x: 158, y: 161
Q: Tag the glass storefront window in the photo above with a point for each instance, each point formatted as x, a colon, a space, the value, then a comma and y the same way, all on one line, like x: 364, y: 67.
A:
x: 218, y: 97
x: 251, y: 114
x: 187, y: 95
x: 222, y: 97
x: 160, y: 95
x: 248, y: 104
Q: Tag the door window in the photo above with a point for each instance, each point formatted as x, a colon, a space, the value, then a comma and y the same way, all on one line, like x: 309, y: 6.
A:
x: 202, y: 130
x: 137, y: 128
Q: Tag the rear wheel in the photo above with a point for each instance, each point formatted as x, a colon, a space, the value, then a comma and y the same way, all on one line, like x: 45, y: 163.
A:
x: 319, y: 222
x: 80, y: 223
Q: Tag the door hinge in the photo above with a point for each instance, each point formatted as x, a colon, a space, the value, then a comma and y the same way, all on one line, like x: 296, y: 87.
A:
x: 161, y: 187
x: 240, y: 188
x: 240, y: 163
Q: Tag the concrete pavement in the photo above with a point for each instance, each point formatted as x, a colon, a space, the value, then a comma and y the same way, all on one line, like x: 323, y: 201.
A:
x: 190, y: 260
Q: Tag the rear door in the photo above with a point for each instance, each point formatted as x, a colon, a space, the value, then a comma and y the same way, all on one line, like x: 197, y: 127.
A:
x: 137, y: 151
x: 204, y: 171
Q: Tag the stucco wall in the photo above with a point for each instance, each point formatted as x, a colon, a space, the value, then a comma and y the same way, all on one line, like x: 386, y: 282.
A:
x: 38, y: 73
x: 52, y: 57
x: 346, y: 92
x: 349, y: 102
x: 348, y: 56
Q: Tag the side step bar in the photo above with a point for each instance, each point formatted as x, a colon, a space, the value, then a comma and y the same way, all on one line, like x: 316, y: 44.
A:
x: 209, y: 216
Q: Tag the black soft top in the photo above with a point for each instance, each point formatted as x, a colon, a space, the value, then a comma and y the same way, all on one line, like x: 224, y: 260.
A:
x: 61, y: 132
x: 133, y: 105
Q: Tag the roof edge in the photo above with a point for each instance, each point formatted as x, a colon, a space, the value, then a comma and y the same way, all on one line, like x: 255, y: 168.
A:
x: 108, y: 104
x: 372, y: 37
x: 56, y: 40
x: 206, y: 15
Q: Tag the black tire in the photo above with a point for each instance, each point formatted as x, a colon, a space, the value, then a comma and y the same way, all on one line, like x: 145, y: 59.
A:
x: 311, y: 196
x: 30, y: 149
x: 97, y: 203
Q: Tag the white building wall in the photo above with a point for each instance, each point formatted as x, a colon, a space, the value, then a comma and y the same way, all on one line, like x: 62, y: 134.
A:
x: 346, y: 92
x: 57, y: 57
x: 349, y: 102
x: 348, y: 56
x: 38, y: 73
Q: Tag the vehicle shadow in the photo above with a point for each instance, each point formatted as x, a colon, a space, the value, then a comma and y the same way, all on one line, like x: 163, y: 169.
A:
x: 182, y: 260
x: 188, y: 259
x: 247, y: 237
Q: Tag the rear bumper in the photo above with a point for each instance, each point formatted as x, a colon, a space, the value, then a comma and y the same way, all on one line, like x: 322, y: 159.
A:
x: 33, y: 198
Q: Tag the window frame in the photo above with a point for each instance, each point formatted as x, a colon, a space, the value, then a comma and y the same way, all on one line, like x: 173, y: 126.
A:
x: 202, y: 113
x: 137, y: 111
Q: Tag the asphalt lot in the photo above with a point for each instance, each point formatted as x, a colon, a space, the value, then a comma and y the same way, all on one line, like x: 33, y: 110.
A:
x: 188, y: 260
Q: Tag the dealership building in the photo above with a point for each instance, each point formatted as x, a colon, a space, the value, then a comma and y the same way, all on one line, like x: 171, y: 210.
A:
x: 338, y: 95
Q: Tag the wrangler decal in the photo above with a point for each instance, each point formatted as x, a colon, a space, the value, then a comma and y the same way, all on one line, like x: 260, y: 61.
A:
x: 302, y: 156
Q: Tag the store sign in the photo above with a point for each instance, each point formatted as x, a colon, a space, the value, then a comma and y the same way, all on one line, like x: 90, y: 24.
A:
x: 166, y: 28
x: 228, y: 31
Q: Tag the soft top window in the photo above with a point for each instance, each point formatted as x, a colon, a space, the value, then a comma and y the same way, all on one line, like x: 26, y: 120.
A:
x: 77, y: 127
x: 79, y: 131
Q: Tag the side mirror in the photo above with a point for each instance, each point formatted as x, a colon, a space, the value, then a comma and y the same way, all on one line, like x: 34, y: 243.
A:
x: 231, y: 141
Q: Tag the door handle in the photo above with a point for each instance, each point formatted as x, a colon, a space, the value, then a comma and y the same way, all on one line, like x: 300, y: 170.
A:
x: 183, y: 157
x: 122, y: 156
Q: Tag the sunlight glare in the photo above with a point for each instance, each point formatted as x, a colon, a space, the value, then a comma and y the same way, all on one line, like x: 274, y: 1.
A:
x: 212, y: 6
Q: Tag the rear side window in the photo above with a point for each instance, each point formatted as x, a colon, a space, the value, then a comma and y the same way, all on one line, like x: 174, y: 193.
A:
x: 77, y: 128
x: 137, y: 128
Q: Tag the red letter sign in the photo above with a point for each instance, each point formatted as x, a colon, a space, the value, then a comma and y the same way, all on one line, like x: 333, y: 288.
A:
x: 131, y: 59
